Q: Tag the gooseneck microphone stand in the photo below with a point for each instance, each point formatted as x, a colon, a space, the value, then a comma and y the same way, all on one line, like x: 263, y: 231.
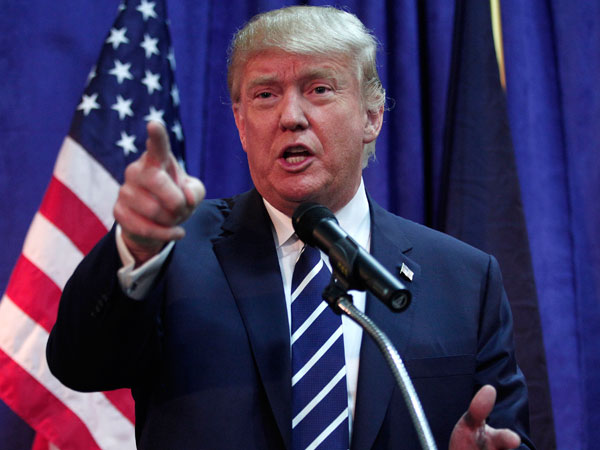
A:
x: 341, y: 302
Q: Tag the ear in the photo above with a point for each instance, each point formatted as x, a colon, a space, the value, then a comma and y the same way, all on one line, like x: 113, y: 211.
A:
x: 240, y: 122
x: 373, y: 122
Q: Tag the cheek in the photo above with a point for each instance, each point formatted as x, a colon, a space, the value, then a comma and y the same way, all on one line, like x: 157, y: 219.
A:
x: 258, y: 158
x: 347, y: 140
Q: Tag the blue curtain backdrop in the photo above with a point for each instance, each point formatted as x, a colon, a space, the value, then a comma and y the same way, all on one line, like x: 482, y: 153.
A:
x: 552, y: 50
x: 553, y: 67
x: 480, y: 200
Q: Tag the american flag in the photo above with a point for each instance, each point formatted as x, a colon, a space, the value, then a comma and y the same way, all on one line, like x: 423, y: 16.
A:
x: 131, y: 84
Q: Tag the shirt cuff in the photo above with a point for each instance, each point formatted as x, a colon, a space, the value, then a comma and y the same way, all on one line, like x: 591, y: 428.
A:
x: 136, y: 282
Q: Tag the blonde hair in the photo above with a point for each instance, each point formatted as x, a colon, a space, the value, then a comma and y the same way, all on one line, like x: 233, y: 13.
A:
x: 311, y: 30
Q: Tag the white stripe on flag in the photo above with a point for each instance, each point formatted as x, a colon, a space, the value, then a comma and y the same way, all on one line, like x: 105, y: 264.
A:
x: 88, y: 180
x: 51, y: 250
x: 26, y: 346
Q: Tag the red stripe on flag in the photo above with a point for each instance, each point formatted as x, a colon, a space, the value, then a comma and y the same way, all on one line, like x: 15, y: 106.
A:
x: 37, y: 295
x: 123, y: 401
x: 67, y: 212
x: 31, y: 290
x: 40, y: 443
x: 42, y: 410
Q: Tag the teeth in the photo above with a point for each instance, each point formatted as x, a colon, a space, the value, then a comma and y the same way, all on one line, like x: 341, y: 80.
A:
x: 295, y: 159
x: 295, y: 155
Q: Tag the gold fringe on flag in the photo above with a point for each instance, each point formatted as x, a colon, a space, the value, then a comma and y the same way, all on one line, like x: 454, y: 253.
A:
x: 497, y: 30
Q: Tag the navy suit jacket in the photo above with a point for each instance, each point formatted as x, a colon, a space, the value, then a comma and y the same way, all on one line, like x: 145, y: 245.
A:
x: 207, y: 353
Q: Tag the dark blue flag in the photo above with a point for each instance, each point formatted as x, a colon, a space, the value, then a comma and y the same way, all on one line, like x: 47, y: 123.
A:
x: 480, y: 198
x: 132, y: 83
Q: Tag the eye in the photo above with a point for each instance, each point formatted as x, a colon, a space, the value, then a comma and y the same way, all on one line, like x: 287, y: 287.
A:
x: 264, y: 95
x: 321, y: 90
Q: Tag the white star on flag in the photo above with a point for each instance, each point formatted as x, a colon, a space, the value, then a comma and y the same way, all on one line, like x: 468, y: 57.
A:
x: 121, y: 71
x: 117, y: 37
x: 123, y: 107
x: 147, y: 9
x: 127, y: 143
x: 151, y: 82
x: 175, y: 95
x: 155, y: 115
x: 150, y: 46
x: 88, y: 102
x: 177, y: 130
x: 171, y: 58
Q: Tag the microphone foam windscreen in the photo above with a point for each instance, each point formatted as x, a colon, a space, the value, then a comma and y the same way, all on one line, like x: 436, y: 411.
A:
x: 307, y: 216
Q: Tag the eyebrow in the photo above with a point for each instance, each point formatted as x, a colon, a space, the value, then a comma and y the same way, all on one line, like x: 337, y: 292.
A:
x: 262, y: 80
x: 320, y: 72
x: 311, y: 74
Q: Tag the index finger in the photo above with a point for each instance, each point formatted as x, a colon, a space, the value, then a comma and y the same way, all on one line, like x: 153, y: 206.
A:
x: 158, y: 148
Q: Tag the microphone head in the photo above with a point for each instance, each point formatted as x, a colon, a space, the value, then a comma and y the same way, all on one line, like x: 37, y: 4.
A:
x: 307, y: 217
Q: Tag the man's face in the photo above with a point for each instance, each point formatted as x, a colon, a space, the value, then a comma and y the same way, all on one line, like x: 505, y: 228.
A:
x: 303, y: 125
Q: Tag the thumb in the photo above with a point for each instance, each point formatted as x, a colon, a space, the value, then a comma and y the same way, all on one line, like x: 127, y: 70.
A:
x: 158, y: 148
x: 481, y: 406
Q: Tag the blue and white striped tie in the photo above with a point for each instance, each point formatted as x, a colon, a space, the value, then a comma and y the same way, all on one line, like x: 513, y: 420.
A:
x: 319, y: 392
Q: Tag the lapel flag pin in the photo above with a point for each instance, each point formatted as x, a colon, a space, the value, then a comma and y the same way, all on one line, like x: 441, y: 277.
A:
x: 406, y: 272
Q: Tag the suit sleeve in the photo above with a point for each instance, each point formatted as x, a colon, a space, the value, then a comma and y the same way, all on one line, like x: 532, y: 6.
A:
x: 496, y: 363
x: 103, y: 339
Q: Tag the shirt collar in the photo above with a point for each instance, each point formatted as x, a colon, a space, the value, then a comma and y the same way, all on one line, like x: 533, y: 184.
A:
x: 351, y: 217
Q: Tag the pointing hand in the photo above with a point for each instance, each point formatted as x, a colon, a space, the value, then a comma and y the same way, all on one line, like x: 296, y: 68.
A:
x: 156, y: 197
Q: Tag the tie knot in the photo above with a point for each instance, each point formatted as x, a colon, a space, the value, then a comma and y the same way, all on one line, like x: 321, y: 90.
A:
x: 308, y: 261
x: 309, y: 255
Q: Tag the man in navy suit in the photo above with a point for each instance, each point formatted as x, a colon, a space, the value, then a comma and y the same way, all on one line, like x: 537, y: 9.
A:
x: 200, y: 329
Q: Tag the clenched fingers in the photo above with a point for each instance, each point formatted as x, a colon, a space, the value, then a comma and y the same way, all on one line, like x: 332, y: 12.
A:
x: 152, y: 192
x: 156, y: 198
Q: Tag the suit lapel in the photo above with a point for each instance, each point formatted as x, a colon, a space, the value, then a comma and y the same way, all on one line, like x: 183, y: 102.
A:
x: 375, y: 380
x: 247, y: 255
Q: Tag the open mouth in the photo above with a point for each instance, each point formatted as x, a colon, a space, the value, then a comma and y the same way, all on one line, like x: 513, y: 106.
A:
x: 295, y: 155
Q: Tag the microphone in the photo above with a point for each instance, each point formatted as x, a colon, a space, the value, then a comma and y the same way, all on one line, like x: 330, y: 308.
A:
x: 352, y: 265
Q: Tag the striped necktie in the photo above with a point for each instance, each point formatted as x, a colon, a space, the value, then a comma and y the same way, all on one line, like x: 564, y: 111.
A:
x: 319, y: 392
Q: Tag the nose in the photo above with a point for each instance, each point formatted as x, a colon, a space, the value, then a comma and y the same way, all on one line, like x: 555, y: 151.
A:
x: 292, y: 113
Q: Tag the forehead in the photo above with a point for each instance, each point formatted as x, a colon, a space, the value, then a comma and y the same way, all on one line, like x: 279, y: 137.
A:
x: 278, y: 66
